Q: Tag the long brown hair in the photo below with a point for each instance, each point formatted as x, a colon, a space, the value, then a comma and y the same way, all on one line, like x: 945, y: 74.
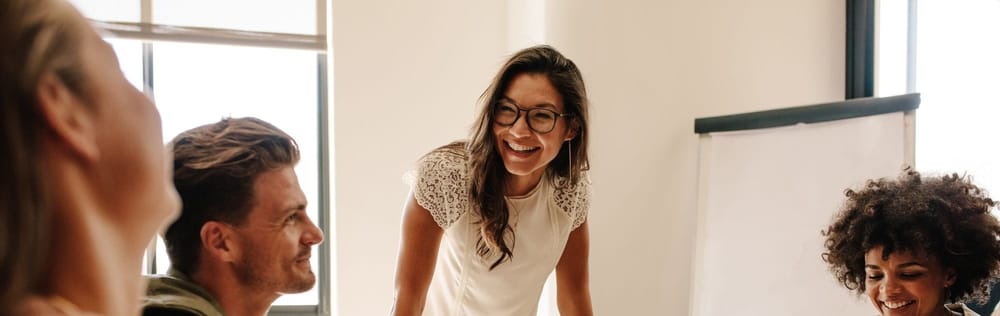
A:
x: 37, y: 37
x: 488, y: 175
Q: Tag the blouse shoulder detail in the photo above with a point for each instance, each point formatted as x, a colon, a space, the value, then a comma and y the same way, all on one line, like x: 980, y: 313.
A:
x: 574, y: 199
x: 442, y: 185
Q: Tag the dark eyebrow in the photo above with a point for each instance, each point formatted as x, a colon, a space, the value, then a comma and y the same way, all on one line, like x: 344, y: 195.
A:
x: 291, y: 210
x: 910, y: 264
x: 544, y: 105
x: 904, y: 265
x: 296, y: 207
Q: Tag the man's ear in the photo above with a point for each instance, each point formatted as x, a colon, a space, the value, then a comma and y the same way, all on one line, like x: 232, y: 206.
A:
x: 67, y: 117
x: 217, y: 240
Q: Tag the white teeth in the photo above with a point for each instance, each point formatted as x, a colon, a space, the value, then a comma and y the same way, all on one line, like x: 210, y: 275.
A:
x: 520, y: 148
x: 896, y: 304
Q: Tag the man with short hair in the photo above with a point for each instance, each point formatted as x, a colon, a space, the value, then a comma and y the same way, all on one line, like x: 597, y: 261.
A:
x: 243, y: 237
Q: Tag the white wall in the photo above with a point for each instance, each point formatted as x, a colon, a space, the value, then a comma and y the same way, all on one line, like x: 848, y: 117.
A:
x: 651, y: 68
x: 406, y: 76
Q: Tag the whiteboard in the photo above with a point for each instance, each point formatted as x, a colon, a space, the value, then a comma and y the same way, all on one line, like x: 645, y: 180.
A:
x: 764, y: 195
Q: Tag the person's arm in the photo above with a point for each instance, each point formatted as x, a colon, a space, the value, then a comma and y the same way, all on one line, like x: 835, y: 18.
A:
x: 418, y: 248
x: 573, y: 275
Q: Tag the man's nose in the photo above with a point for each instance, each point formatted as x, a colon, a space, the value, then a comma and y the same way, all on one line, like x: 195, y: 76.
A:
x: 312, y: 235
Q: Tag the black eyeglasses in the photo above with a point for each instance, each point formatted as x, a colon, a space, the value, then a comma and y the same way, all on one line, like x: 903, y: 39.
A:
x: 540, y: 120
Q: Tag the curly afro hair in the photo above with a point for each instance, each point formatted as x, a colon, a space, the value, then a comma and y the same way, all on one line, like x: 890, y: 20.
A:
x: 946, y: 218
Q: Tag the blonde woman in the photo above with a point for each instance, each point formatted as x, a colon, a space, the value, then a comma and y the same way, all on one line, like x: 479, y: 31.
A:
x: 85, y: 179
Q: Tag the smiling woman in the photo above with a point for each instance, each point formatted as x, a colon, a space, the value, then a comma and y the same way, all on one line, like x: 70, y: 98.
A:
x: 85, y: 183
x: 499, y: 212
x: 916, y: 244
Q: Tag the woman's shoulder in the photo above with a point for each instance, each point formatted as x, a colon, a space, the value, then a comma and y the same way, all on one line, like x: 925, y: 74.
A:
x: 451, y: 155
x: 441, y: 183
x: 573, y: 197
x: 445, y: 163
x: 960, y: 309
x: 568, y: 191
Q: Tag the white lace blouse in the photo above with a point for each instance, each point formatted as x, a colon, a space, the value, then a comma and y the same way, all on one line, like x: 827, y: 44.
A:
x: 541, y: 220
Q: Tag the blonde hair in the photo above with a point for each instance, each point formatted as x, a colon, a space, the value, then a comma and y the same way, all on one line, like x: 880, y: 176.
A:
x: 38, y: 38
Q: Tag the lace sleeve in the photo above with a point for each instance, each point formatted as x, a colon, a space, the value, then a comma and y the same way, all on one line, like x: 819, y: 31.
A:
x: 574, y: 199
x: 441, y: 186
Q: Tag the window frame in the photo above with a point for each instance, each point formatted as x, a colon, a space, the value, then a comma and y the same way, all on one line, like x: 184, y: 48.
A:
x: 148, y: 32
x: 861, y: 51
x: 863, y: 44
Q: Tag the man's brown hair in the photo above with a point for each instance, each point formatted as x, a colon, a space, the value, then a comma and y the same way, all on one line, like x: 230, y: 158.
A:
x: 215, y: 167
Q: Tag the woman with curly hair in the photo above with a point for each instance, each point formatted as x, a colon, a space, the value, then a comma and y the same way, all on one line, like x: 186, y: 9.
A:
x: 916, y: 245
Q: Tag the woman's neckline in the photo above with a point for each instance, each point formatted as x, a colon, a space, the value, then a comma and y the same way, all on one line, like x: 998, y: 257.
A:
x: 529, y: 193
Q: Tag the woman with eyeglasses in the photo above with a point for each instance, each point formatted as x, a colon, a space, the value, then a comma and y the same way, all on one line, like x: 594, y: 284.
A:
x: 488, y: 219
x: 917, y: 245
x: 84, y: 177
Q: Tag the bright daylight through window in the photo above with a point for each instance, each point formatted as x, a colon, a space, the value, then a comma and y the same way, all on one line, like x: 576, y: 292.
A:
x: 217, y: 70
x: 956, y: 70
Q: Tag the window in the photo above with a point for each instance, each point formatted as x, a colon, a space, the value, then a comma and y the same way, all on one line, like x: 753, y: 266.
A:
x: 949, y: 53
x: 202, y: 61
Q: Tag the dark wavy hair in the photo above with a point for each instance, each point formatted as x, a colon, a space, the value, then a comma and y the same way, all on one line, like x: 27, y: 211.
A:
x: 947, y: 218
x: 215, y: 167
x: 487, y: 173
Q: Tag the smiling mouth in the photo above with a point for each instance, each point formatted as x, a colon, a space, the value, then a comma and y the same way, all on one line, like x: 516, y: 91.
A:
x: 303, y: 262
x: 521, y: 149
x: 897, y: 304
x: 304, y: 255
